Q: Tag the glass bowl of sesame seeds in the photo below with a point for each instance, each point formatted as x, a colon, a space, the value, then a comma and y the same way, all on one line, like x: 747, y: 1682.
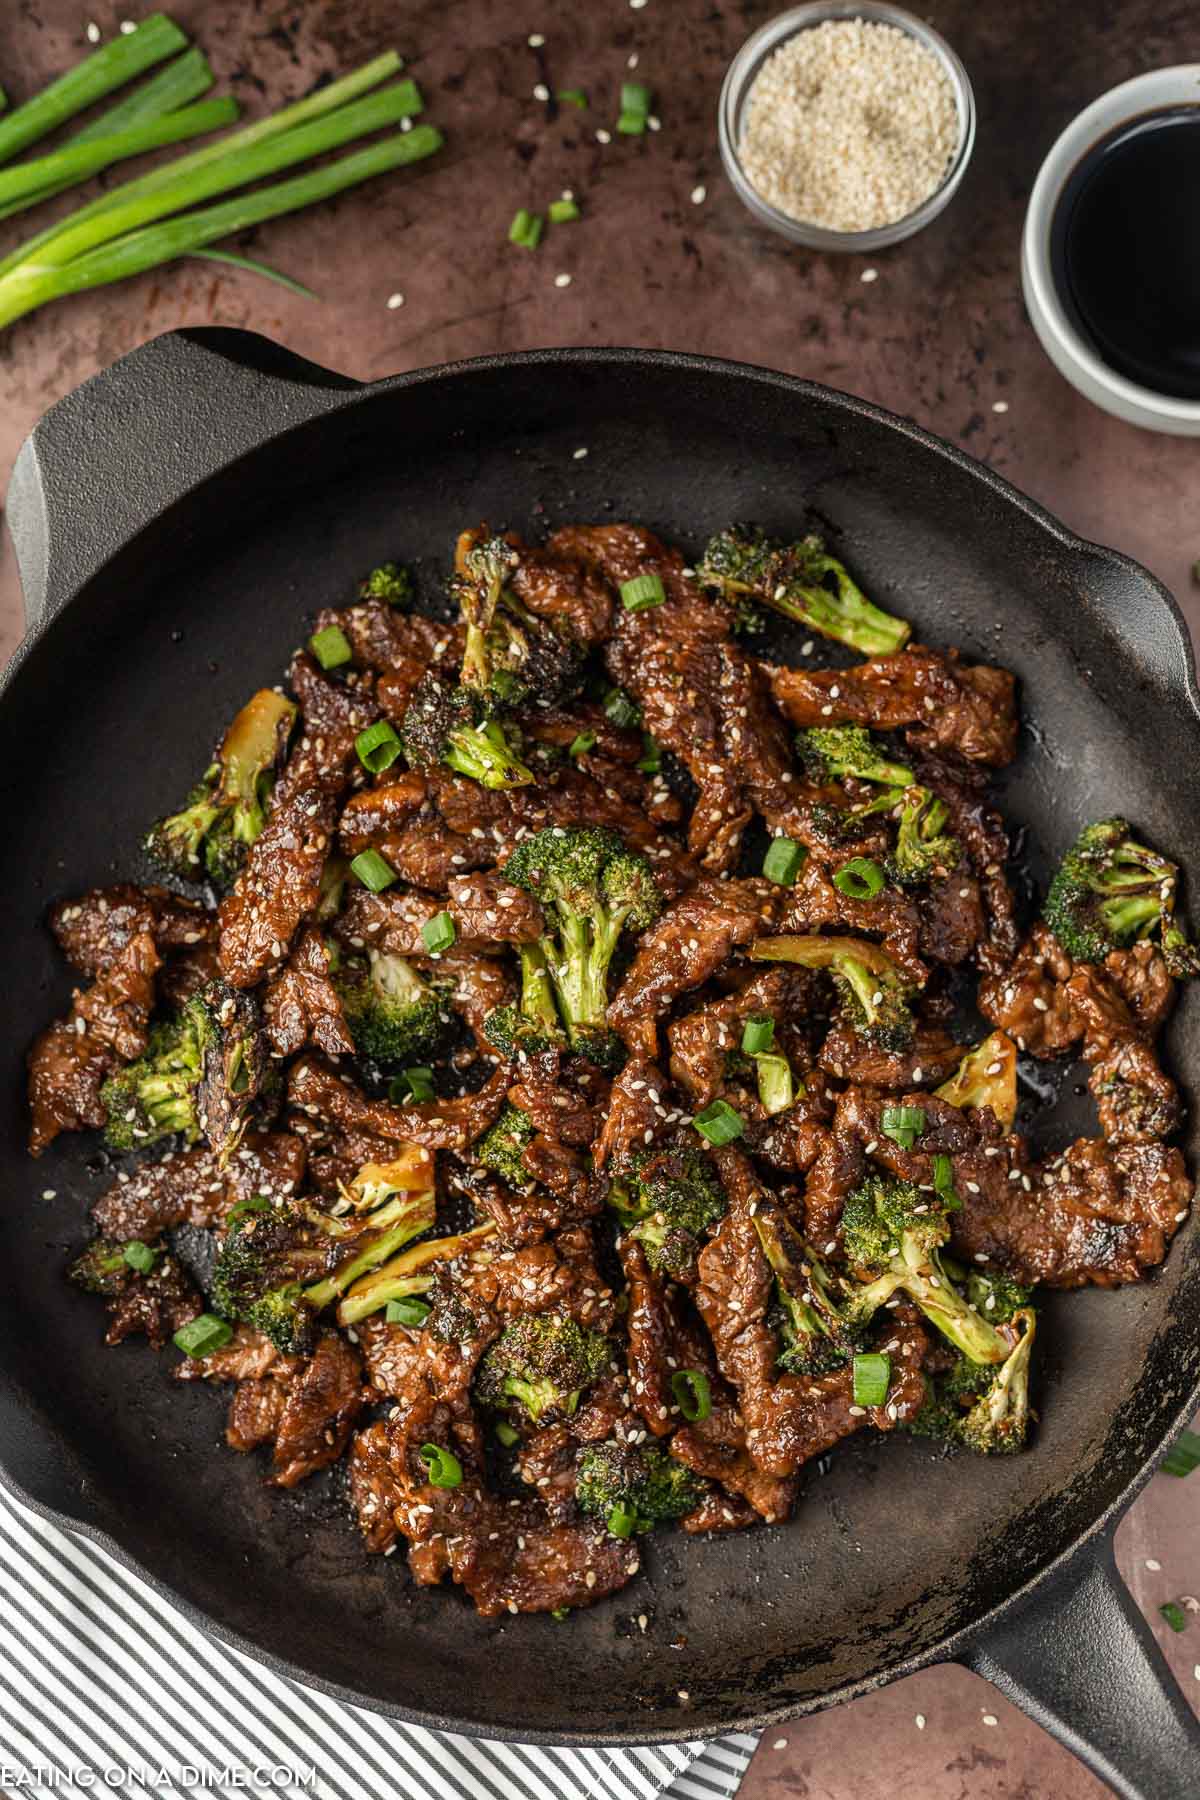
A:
x: 846, y: 126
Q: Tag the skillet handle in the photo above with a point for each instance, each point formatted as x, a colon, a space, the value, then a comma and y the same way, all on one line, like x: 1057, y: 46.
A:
x: 117, y: 452
x: 1080, y: 1659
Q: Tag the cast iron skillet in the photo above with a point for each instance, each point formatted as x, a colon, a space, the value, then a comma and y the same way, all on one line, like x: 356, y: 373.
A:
x: 176, y: 519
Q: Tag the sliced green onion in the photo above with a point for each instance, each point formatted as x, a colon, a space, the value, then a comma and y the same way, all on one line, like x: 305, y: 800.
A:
x: 256, y: 1204
x: 943, y: 1182
x: 525, y: 230
x: 202, y: 1335
x: 377, y: 746
x: 650, y: 761
x: 631, y: 124
x: 439, y: 932
x: 373, y: 870
x: 621, y: 709
x: 783, y: 861
x: 252, y: 267
x: 720, y: 1123
x: 860, y: 879
x: 621, y: 1522
x: 570, y: 97
x: 413, y: 1084
x: 407, y: 1311
x: 758, y: 1034
x: 872, y: 1375
x: 111, y: 67
x: 140, y: 1256
x: 775, y: 1087
x: 693, y: 1394
x: 445, y: 1470
x: 331, y: 647
x: 1174, y: 1615
x: 642, y: 591
x: 635, y: 98
x: 507, y: 1434
x: 583, y: 743
x: 903, y: 1124
x: 1183, y: 1456
x: 561, y: 212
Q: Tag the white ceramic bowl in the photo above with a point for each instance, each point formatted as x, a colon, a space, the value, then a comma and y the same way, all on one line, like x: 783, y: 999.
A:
x: 1070, y: 352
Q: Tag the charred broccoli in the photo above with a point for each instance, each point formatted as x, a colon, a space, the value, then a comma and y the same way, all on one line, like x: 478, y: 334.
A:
x: 201, y: 1073
x: 666, y: 1197
x: 892, y: 1232
x: 924, y: 848
x: 986, y: 1076
x: 831, y: 752
x: 1109, y: 891
x: 542, y: 1362
x: 533, y: 1023
x: 634, y: 1487
x: 998, y: 1423
x: 394, y: 1015
x: 104, y: 1268
x: 816, y: 1334
x: 227, y: 811
x: 592, y: 889
x: 803, y: 582
x: 511, y: 657
x: 280, y: 1266
x: 502, y: 1145
x: 873, y: 991
x: 449, y: 725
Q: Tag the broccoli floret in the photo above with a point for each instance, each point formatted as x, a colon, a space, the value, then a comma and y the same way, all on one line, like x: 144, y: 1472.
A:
x: 831, y: 752
x: 592, y: 889
x: 101, y: 1268
x: 393, y: 1014
x: 986, y: 1076
x: 542, y: 1362
x: 404, y: 1275
x: 924, y: 848
x: 511, y: 657
x: 201, y: 1073
x: 449, y: 725
x: 998, y: 1423
x: 1109, y: 891
x: 227, y: 811
x: 388, y: 582
x: 502, y: 1145
x: 892, y: 1232
x: 804, y: 582
x: 667, y: 1196
x: 533, y: 1023
x: 996, y: 1295
x: 280, y: 1266
x: 873, y: 991
x: 634, y: 1487
x: 815, y: 1336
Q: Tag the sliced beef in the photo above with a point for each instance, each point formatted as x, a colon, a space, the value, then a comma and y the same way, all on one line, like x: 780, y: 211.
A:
x: 302, y: 1007
x: 94, y: 928
x: 946, y: 703
x: 438, y: 1124
x: 70, y: 1061
x: 690, y: 942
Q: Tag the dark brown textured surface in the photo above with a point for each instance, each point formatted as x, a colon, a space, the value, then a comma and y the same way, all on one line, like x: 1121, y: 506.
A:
x: 940, y: 335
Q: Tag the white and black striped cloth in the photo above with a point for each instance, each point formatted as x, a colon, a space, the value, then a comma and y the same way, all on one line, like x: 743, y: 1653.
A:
x: 99, y: 1674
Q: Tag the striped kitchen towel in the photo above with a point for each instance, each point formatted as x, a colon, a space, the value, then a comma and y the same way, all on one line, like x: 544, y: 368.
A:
x: 104, y: 1686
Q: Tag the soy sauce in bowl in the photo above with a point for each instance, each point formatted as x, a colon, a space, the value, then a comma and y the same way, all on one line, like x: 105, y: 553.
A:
x: 1125, y: 249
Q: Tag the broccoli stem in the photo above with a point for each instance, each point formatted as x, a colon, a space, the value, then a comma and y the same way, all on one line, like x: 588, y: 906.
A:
x: 843, y: 612
x: 399, y: 1220
x: 379, y: 1286
x: 1130, y: 915
x: 484, y: 754
x: 921, y: 1276
x: 537, y: 989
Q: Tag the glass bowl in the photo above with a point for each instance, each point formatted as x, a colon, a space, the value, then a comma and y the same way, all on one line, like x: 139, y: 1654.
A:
x: 740, y: 78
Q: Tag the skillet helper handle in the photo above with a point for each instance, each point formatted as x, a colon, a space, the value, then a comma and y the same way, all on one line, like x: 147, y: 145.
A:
x: 1080, y: 1659
x: 113, y: 455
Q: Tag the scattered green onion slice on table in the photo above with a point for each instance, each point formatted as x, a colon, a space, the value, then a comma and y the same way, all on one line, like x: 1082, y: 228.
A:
x: 872, y: 1374
x: 331, y: 647
x: 439, y: 932
x: 202, y: 1335
x: 1183, y: 1456
x: 377, y: 746
x: 445, y: 1470
x: 525, y: 230
x: 758, y: 1034
x: 561, y: 212
x: 1174, y: 1615
x: 783, y: 861
x: 373, y: 870
x: 641, y: 591
x: 860, y: 879
x: 720, y: 1123
x: 693, y: 1394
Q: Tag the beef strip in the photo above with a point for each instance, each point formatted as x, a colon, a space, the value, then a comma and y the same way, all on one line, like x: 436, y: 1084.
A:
x: 716, y: 1447
x: 690, y: 941
x: 980, y: 831
x: 301, y: 1005
x: 375, y: 813
x: 932, y: 1056
x: 1029, y: 999
x: 92, y: 929
x: 321, y: 1403
x: 545, y: 1091
x: 438, y: 1124
x: 69, y: 1062
x: 705, y: 1042
x: 487, y: 912
x: 187, y: 972
x: 814, y: 903
x: 187, y: 1187
x: 562, y: 588
x: 247, y: 1356
x: 660, y: 1341
x: 528, y: 1218
x: 637, y: 1113
x: 154, y: 1304
x: 946, y: 703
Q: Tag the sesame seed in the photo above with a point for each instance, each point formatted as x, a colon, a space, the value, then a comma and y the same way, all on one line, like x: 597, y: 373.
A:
x: 653, y: 121
x: 631, y: 61
x: 990, y: 1719
x: 541, y: 91
x: 562, y: 281
x: 535, y: 40
x: 869, y: 275
x: 91, y: 32
x: 1000, y: 406
x: 1153, y: 1565
x: 919, y: 1721
x: 603, y: 137
x: 394, y: 300
x: 780, y: 1744
x: 699, y: 194
x: 49, y: 1193
x: 128, y: 27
